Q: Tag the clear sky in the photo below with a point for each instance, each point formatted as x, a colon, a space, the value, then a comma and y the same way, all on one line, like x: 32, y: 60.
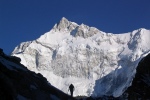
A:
x: 26, y: 20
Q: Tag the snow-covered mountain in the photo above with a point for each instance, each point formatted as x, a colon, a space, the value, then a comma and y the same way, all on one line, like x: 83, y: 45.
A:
x: 97, y: 63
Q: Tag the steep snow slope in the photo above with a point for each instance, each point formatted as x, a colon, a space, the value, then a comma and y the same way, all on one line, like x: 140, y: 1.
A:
x: 97, y: 63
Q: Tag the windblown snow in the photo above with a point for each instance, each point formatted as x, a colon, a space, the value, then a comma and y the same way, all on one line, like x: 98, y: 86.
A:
x: 97, y: 63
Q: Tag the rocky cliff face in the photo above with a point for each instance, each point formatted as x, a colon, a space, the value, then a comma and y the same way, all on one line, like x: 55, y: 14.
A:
x: 97, y: 63
x: 19, y: 83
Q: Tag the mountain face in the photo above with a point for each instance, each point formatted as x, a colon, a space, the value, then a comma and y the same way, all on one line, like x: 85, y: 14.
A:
x: 19, y: 83
x: 95, y: 62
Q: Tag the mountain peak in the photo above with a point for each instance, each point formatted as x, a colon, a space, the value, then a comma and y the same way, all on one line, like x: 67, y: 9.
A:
x: 64, y: 19
x: 65, y: 25
x: 62, y: 25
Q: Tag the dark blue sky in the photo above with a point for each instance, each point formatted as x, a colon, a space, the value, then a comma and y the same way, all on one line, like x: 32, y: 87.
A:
x: 25, y: 20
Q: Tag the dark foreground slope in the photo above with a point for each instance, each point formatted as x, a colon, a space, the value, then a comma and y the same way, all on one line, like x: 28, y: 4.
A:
x: 18, y: 83
x: 140, y: 88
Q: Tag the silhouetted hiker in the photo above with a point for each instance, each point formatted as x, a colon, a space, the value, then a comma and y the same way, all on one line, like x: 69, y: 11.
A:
x: 71, y: 88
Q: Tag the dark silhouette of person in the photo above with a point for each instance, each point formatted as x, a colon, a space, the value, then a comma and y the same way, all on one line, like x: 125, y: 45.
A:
x: 71, y: 88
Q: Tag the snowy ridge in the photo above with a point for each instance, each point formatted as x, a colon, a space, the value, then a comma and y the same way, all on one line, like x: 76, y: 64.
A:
x: 97, y: 63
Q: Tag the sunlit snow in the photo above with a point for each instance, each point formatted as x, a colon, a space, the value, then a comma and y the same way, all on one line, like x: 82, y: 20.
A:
x: 97, y: 63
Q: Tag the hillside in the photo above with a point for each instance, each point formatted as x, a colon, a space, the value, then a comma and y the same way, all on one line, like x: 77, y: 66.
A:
x: 19, y: 83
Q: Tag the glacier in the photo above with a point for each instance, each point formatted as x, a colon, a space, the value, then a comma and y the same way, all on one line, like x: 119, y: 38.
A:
x: 95, y: 62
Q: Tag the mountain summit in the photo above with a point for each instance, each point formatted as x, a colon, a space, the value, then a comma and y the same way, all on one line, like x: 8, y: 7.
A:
x: 97, y: 63
x: 62, y: 25
x: 74, y: 29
